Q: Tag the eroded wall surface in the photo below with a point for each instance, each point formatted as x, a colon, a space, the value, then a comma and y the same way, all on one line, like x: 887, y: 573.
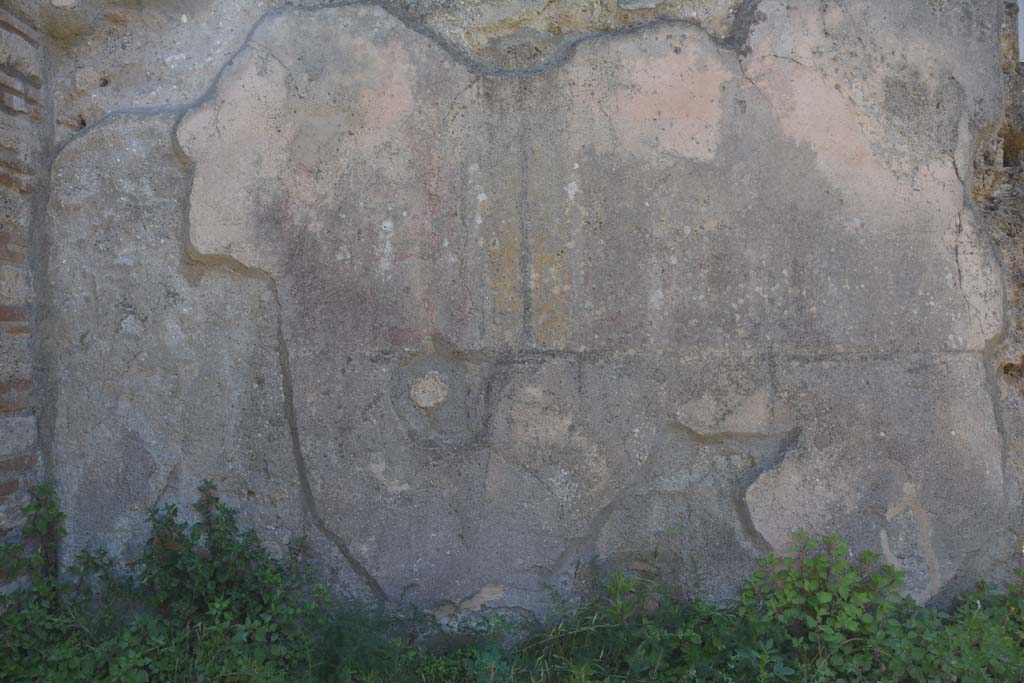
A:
x: 478, y: 296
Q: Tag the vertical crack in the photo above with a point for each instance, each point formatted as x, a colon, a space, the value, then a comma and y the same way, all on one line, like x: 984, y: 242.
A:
x: 192, y: 257
x: 309, y: 501
x: 525, y: 252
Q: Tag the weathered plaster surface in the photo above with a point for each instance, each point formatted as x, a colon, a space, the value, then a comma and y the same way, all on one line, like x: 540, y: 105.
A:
x: 167, y: 373
x: 678, y: 290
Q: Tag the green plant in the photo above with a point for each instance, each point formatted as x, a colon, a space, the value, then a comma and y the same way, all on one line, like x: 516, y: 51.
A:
x: 825, y: 610
x: 207, y: 602
x: 32, y: 618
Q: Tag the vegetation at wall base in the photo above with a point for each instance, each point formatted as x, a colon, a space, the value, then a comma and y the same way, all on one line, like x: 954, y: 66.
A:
x: 207, y: 602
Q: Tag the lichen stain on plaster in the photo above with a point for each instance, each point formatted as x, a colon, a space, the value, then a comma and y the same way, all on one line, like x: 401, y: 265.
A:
x: 550, y: 290
x: 429, y: 391
x: 567, y: 17
x: 488, y: 593
x: 503, y: 255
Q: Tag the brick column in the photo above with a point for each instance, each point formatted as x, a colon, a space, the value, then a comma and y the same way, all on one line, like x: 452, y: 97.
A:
x: 22, y: 122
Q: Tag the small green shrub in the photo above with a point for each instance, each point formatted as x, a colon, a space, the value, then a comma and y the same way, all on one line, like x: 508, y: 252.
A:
x: 829, y: 613
x: 207, y: 602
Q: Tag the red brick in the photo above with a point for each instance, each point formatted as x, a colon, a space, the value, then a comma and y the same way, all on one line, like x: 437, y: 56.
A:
x: 15, y: 404
x: 14, y: 314
x: 15, y: 182
x: 17, y: 329
x: 11, y: 250
x: 16, y: 385
x: 9, y: 487
x: 20, y: 463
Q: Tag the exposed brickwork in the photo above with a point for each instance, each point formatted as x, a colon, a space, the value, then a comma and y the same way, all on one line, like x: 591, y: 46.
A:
x: 19, y: 463
x: 9, y: 314
x: 9, y: 487
x: 22, y: 105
